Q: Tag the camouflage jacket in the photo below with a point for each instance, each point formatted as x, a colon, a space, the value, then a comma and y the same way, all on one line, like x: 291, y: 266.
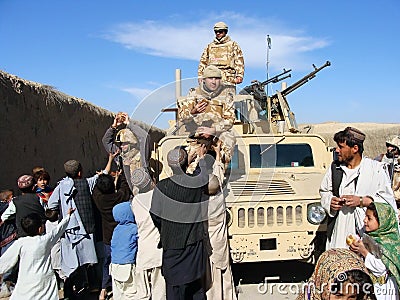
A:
x: 226, y: 55
x: 220, y: 112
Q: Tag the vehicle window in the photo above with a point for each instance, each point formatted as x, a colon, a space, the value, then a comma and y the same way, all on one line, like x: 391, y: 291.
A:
x: 234, y: 163
x: 280, y: 155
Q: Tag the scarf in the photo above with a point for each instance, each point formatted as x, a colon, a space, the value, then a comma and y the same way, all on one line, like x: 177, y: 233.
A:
x: 331, y: 264
x: 387, y: 236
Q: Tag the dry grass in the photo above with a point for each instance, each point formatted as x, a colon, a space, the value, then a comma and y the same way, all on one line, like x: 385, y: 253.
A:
x: 376, y: 134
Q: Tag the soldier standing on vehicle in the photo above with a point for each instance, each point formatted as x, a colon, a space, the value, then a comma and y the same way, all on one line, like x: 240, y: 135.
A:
x: 350, y: 185
x: 225, y: 54
x: 208, y: 112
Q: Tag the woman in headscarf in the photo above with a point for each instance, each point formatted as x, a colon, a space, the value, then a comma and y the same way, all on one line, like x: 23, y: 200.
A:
x: 380, y: 247
x: 338, y: 274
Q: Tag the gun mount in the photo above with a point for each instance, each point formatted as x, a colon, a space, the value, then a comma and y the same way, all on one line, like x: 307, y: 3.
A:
x: 276, y: 108
x: 257, y: 88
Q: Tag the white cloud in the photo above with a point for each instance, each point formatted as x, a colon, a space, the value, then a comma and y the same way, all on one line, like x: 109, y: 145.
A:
x: 186, y: 40
x: 138, y: 93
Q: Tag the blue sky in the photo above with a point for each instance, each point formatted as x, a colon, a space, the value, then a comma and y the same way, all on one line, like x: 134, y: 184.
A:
x: 122, y: 55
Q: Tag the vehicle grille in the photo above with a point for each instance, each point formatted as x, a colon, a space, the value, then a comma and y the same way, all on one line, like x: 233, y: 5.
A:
x: 269, y: 216
x: 261, y: 187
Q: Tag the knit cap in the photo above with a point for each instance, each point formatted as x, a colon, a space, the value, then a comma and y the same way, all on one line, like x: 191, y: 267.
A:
x: 25, y: 181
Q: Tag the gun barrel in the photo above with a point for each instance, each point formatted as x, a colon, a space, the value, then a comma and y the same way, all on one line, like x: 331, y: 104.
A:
x: 276, y: 78
x: 305, y: 79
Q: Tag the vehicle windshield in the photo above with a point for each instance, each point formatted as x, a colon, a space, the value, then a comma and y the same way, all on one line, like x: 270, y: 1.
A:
x: 280, y: 155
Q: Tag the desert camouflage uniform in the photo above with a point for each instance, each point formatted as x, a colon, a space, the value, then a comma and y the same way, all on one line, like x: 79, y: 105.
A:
x: 227, y: 56
x: 131, y: 157
x: 220, y: 114
x: 394, y: 163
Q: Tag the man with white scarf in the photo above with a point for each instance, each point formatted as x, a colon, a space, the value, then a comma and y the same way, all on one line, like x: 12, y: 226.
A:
x: 363, y: 181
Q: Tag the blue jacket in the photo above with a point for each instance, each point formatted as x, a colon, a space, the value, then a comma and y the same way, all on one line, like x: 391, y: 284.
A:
x: 125, y: 235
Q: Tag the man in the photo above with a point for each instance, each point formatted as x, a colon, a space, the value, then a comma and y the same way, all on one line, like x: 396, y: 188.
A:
x: 24, y: 204
x: 225, y: 54
x: 221, y: 279
x: 150, y: 283
x: 208, y: 111
x: 392, y: 160
x: 177, y: 212
x: 392, y: 155
x: 362, y: 181
x: 78, y: 244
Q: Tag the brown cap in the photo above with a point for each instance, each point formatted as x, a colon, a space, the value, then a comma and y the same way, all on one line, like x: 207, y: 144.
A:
x: 176, y: 157
x: 358, y: 136
x: 140, y: 178
x: 25, y: 181
x: 72, y: 166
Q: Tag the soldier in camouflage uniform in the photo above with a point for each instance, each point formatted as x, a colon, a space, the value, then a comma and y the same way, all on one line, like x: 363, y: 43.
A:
x: 392, y: 160
x: 225, y: 54
x: 132, y: 142
x: 208, y: 114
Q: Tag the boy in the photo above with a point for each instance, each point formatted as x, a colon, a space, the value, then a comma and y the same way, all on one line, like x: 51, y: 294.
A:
x: 36, y: 279
x: 123, y: 252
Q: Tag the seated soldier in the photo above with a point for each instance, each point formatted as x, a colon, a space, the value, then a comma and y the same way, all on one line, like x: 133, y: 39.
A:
x: 208, y: 112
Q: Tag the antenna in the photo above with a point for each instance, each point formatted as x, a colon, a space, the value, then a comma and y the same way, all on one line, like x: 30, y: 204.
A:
x: 268, y: 48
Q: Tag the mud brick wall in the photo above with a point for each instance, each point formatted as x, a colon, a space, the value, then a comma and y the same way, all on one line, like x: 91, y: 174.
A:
x: 43, y: 127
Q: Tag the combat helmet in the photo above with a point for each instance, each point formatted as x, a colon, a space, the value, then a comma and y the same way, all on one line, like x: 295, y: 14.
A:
x: 220, y: 26
x: 393, y: 141
x: 126, y: 136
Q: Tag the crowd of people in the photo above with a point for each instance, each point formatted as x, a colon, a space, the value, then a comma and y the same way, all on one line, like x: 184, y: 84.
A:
x: 121, y: 233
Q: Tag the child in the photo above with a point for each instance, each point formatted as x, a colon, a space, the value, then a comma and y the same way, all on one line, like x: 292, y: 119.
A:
x: 8, y: 230
x: 42, y: 187
x: 123, y: 252
x: 338, y: 274
x: 8, y: 234
x: 381, y: 248
x: 36, y: 279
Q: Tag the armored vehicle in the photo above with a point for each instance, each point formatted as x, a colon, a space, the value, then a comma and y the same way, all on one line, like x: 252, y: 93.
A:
x: 272, y: 182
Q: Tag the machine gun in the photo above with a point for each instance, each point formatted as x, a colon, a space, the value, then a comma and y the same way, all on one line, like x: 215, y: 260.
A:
x: 257, y: 88
x: 304, y: 80
x: 278, y: 107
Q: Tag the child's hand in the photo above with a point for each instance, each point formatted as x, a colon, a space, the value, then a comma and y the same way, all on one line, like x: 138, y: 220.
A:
x: 71, y: 211
x: 358, y: 247
x: 111, y: 155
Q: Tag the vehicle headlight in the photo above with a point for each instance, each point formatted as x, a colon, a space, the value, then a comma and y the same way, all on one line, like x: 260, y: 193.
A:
x: 315, y: 213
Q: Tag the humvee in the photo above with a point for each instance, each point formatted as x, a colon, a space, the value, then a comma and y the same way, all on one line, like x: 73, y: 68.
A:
x: 272, y: 182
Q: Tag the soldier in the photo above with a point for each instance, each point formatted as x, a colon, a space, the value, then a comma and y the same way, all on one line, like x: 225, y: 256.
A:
x: 225, y: 54
x: 131, y: 141
x: 208, y: 114
x: 392, y: 160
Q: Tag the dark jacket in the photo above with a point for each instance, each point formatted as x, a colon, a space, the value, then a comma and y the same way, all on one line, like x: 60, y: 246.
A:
x: 26, y: 204
x: 106, y: 202
x: 177, y: 211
